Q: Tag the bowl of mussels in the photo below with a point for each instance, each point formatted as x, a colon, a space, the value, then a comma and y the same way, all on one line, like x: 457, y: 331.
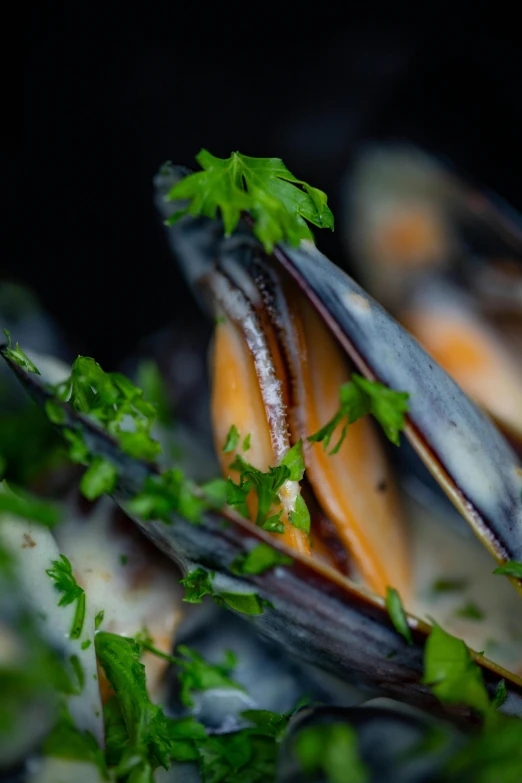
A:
x: 288, y: 546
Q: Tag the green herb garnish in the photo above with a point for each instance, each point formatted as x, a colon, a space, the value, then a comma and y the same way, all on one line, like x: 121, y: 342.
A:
x: 451, y: 672
x: 511, y: 568
x: 279, y: 202
x: 22, y: 504
x: 261, y: 558
x: 198, y: 675
x: 332, y: 750
x: 18, y: 356
x: 358, y: 398
x: 172, y: 492
x: 397, y: 614
x: 267, y: 486
x: 232, y: 440
x: 62, y: 574
x: 198, y: 583
x: 470, y: 611
x: 99, y: 478
x: 143, y: 738
x: 445, y: 585
x: 114, y: 402
x: 500, y: 695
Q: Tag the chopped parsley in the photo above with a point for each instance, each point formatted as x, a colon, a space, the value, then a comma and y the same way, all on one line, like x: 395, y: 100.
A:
x: 98, y: 620
x: 470, y: 611
x: 171, y: 492
x: 195, y: 674
x: 198, y: 583
x: 511, y: 568
x: 261, y: 558
x: 246, y: 442
x: 78, y: 671
x: 232, y: 440
x: 451, y: 672
x: 154, y: 390
x: 99, y: 478
x: 140, y: 737
x: 332, y: 750
x: 359, y: 397
x: 62, y: 574
x: 279, y: 203
x: 448, y: 585
x: 18, y: 356
x: 500, y: 695
x: 115, y: 403
x: 397, y: 614
x: 267, y: 486
x: 67, y: 742
x: 22, y: 504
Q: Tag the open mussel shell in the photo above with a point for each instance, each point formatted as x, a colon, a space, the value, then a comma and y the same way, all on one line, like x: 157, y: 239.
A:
x: 461, y: 447
x: 458, y: 443
x: 391, y: 742
x: 317, y: 614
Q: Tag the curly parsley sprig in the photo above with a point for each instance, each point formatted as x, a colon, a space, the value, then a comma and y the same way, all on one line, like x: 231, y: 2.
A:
x: 62, y: 575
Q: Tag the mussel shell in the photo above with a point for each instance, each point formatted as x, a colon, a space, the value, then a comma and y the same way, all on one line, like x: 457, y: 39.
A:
x: 459, y: 444
x: 318, y: 615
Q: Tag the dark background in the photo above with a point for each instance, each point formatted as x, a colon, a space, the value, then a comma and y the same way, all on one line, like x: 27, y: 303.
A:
x: 111, y: 94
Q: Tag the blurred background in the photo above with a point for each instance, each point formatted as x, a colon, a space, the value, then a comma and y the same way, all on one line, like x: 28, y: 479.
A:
x: 111, y: 94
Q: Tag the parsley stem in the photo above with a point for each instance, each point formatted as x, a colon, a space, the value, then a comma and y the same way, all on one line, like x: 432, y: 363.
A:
x: 79, y: 617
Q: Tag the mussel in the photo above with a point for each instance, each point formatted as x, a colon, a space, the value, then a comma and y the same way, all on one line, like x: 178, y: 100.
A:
x: 290, y: 328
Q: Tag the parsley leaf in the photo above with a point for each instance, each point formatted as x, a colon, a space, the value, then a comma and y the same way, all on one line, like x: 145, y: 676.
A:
x: 172, y: 492
x: 448, y: 585
x: 359, y: 397
x: 489, y: 756
x: 279, y: 202
x: 511, y: 568
x: 259, y: 559
x: 18, y: 356
x: 232, y: 440
x: 114, y: 402
x: 67, y: 742
x: 333, y: 750
x: 452, y: 674
x: 152, y: 384
x: 266, y: 486
x: 300, y: 516
x: 142, y: 737
x: 500, y: 695
x: 246, y: 442
x: 198, y: 583
x: 397, y: 614
x: 62, y: 574
x: 26, y: 506
x: 100, y: 477
x: 197, y: 675
x: 246, y: 603
x: 470, y: 611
